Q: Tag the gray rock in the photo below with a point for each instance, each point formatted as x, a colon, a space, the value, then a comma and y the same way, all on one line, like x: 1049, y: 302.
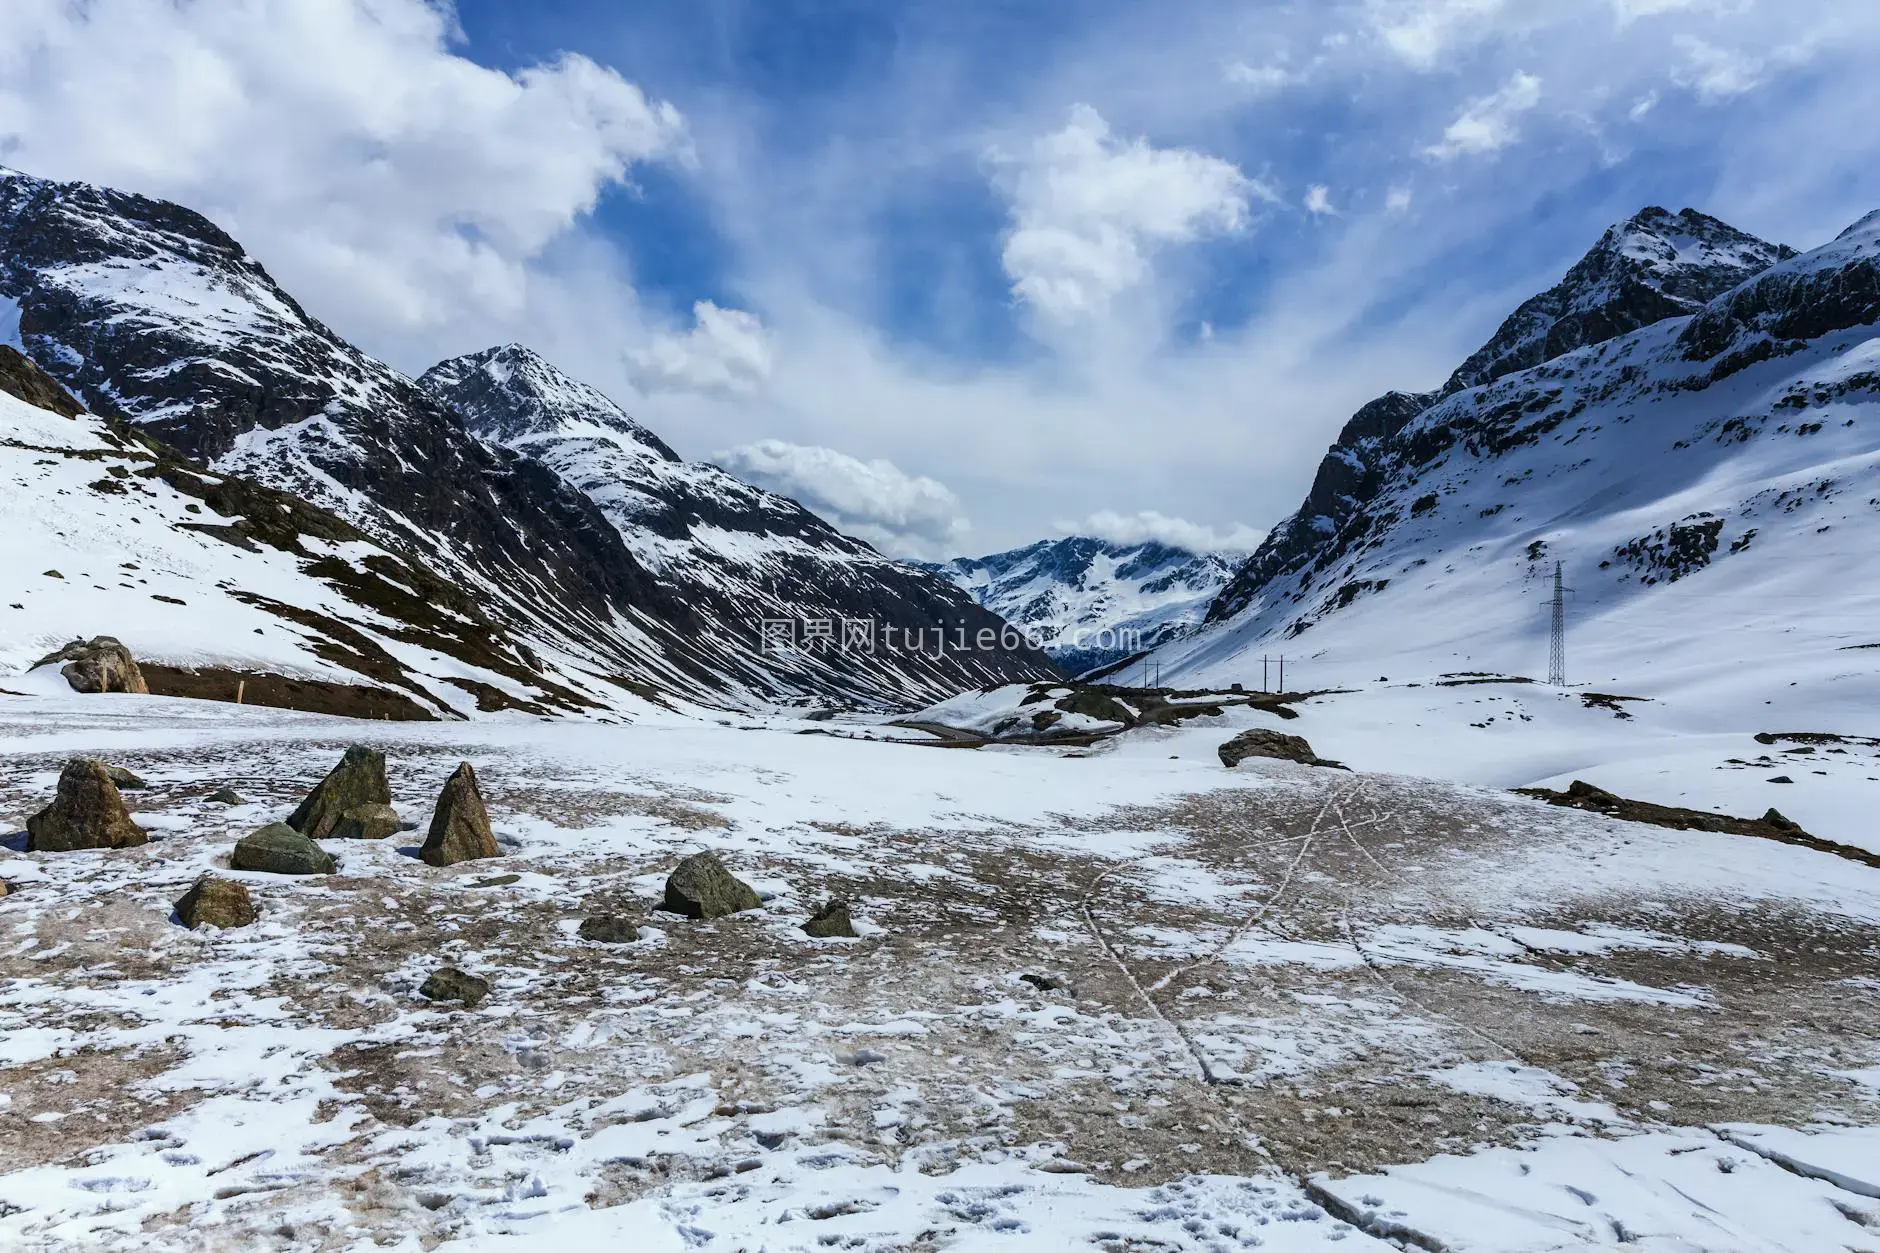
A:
x: 86, y: 813
x: 460, y: 826
x: 701, y: 887
x: 831, y: 921
x: 609, y: 929
x: 368, y: 822
x: 228, y: 796
x: 358, y: 780
x: 1261, y: 742
x: 451, y: 984
x: 100, y: 664
x: 214, y: 902
x: 125, y: 780
x: 279, y: 849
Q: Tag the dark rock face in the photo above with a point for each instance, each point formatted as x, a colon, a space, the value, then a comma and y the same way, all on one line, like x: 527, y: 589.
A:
x: 356, y: 782
x: 1657, y: 265
x: 214, y: 902
x: 460, y: 826
x: 451, y: 984
x: 86, y: 813
x: 101, y: 664
x: 701, y: 887
x: 831, y: 921
x: 20, y: 378
x: 609, y: 929
x: 279, y: 849
x: 1261, y: 742
x: 368, y: 822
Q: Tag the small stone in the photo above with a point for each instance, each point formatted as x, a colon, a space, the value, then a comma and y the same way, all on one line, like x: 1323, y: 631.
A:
x: 214, y: 902
x: 368, y: 822
x: 831, y: 921
x: 497, y: 881
x: 1046, y: 983
x: 460, y: 826
x: 358, y: 780
x: 1780, y: 821
x: 451, y: 984
x: 701, y: 887
x: 279, y: 849
x: 228, y: 796
x: 125, y: 780
x: 609, y: 929
x: 100, y: 664
x: 86, y: 813
x: 1782, y: 778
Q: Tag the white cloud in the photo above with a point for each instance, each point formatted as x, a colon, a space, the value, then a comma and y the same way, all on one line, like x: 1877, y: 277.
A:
x: 1089, y: 209
x: 904, y: 515
x: 727, y: 352
x: 1715, y: 73
x: 1645, y: 104
x: 1490, y: 123
x: 1259, y: 80
x: 385, y: 180
x: 1629, y: 11
x: 1319, y: 200
x: 1397, y: 200
x: 1146, y: 525
x: 1419, y: 32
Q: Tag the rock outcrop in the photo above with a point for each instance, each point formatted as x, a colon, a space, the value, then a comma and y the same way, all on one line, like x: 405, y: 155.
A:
x: 126, y: 781
x: 356, y: 782
x: 368, y: 822
x: 279, y: 849
x: 214, y: 902
x: 451, y: 984
x: 100, y: 664
x: 88, y: 812
x: 701, y: 887
x: 831, y: 921
x: 460, y: 826
x: 1261, y: 742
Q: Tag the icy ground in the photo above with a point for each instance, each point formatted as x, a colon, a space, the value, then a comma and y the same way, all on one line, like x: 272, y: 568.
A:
x: 1263, y: 1006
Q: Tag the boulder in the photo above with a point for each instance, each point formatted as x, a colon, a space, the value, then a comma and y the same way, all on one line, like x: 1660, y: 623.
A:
x: 701, y: 887
x: 279, y: 849
x: 460, y: 826
x: 228, y: 796
x: 126, y: 781
x: 609, y: 929
x: 214, y: 902
x: 368, y: 822
x: 830, y: 921
x: 1261, y: 742
x: 86, y: 813
x: 451, y: 984
x: 101, y: 664
x: 6, y: 889
x: 358, y: 780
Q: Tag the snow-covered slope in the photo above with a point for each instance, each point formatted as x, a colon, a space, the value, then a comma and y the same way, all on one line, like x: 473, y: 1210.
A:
x: 150, y: 313
x: 1089, y: 601
x: 1710, y: 484
x: 737, y: 555
x: 109, y: 533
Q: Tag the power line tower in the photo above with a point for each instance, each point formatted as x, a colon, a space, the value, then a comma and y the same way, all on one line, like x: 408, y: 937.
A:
x: 1557, y: 639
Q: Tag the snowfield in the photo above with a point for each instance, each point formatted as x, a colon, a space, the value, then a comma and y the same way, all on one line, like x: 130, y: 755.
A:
x: 1115, y: 997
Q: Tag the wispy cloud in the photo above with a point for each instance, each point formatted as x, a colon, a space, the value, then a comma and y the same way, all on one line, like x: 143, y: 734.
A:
x: 905, y: 515
x: 1147, y: 525
x: 1489, y: 123
x: 725, y: 352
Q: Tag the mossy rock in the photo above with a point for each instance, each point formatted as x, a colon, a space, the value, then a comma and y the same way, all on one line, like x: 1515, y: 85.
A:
x: 214, y: 902
x: 279, y: 849
x: 368, y: 822
x: 701, y: 887
x: 609, y: 929
x: 832, y: 921
x: 451, y: 984
x: 87, y: 813
x: 358, y: 780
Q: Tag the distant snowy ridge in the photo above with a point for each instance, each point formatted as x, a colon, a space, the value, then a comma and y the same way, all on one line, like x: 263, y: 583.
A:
x: 1710, y: 483
x: 150, y: 313
x: 1089, y: 602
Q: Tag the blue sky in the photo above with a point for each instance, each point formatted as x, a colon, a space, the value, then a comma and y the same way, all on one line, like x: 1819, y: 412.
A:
x: 960, y: 274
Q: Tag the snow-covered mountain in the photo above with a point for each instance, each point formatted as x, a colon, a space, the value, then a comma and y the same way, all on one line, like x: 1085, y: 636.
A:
x: 151, y: 314
x: 1090, y: 602
x: 1710, y: 483
x: 735, y: 553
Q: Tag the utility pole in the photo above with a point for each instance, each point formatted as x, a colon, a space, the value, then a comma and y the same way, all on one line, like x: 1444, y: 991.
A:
x: 1557, y: 638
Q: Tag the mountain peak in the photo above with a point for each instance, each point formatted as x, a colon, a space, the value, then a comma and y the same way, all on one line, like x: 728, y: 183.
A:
x: 1654, y: 265
x: 511, y: 393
